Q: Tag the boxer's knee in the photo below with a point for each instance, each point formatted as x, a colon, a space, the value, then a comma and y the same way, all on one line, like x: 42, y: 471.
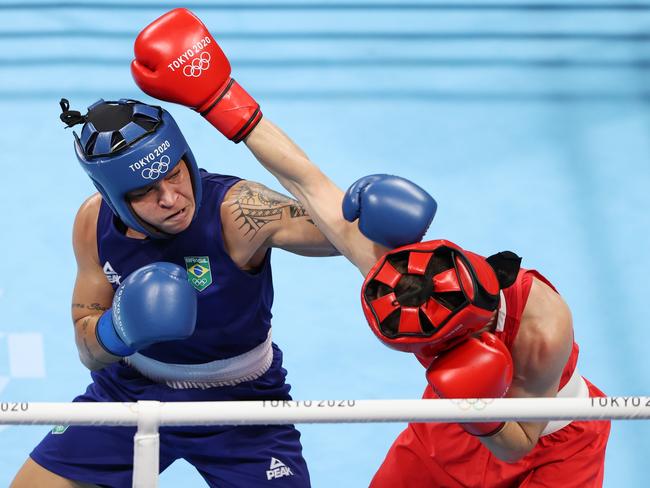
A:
x: 33, y: 475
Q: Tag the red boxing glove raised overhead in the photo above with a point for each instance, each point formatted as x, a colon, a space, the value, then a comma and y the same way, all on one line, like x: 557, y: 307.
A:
x: 480, y: 367
x: 177, y: 60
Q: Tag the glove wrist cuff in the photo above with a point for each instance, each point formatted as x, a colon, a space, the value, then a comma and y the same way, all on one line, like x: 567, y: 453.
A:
x: 484, y: 429
x: 233, y: 112
x: 108, y: 338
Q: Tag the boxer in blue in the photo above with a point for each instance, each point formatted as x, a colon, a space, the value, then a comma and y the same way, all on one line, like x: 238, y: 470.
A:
x: 172, y: 302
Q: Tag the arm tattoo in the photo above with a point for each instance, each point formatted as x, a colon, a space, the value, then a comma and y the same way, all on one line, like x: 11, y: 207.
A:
x: 89, y: 353
x: 297, y: 210
x: 91, y: 356
x: 93, y: 306
x: 256, y: 206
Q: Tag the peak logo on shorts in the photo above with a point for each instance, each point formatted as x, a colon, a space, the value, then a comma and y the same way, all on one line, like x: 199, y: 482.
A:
x: 111, y: 274
x: 199, y: 273
x: 278, y: 469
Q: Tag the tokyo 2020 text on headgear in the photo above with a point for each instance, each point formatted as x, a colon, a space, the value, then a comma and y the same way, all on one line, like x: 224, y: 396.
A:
x: 426, y: 297
x: 126, y: 145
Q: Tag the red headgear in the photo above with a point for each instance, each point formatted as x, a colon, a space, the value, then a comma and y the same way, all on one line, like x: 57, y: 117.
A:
x: 449, y: 294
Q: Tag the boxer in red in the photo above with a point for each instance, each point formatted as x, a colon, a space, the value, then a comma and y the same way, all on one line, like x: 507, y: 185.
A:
x: 481, y: 327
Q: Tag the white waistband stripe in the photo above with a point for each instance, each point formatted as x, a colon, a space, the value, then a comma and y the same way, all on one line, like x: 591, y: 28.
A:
x: 223, y: 372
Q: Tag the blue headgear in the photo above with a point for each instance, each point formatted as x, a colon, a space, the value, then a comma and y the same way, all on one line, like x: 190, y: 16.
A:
x: 143, y: 150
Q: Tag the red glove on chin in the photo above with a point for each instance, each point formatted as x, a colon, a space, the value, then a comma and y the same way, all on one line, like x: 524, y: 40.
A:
x: 177, y: 60
x: 477, y: 368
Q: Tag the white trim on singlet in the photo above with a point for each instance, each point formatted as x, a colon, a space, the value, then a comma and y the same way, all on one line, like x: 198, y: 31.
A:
x: 223, y: 372
x: 501, y: 313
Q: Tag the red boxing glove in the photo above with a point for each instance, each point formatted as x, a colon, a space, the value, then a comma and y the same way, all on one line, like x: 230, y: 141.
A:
x: 177, y: 60
x: 477, y: 368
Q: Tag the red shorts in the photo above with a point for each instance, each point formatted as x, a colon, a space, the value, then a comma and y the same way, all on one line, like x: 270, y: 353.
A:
x: 444, y: 455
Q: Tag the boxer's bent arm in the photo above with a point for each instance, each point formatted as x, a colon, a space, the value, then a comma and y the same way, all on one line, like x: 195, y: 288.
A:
x: 517, y: 439
x: 92, y: 293
x: 541, y: 350
x: 255, y: 218
x: 320, y: 196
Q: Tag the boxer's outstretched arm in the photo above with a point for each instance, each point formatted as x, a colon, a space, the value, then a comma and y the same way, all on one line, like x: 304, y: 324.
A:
x: 227, y: 106
x: 320, y: 196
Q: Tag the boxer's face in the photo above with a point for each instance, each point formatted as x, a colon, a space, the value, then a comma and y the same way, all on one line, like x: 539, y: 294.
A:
x: 168, y: 205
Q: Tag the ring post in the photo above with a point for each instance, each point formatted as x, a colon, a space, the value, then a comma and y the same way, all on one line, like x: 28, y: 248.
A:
x: 146, y: 445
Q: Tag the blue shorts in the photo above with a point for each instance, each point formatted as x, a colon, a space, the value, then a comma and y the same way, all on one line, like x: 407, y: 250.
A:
x: 225, y: 456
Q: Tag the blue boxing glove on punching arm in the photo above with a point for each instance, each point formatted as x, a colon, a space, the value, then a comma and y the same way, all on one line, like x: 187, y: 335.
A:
x: 392, y: 211
x: 155, y: 303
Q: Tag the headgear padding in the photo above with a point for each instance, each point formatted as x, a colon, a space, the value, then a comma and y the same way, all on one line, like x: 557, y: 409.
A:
x: 126, y: 145
x: 426, y: 297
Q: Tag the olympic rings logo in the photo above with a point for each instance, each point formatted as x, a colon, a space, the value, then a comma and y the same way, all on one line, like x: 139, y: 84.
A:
x: 472, y: 404
x: 157, y: 168
x: 197, y: 66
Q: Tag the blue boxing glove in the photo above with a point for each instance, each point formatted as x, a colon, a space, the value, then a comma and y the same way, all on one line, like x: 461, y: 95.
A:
x: 392, y: 211
x: 155, y: 303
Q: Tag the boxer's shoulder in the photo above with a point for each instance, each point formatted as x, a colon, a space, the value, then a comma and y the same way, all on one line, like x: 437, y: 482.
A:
x: 89, y: 209
x: 545, y: 337
x: 252, y: 209
x: 250, y: 213
x: 84, y: 234
x: 235, y: 191
x: 545, y: 313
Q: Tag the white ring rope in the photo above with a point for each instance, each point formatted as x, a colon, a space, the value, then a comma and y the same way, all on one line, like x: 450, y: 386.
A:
x: 330, y: 411
x: 149, y: 415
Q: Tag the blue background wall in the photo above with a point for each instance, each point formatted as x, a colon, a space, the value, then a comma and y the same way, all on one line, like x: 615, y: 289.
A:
x: 529, y: 125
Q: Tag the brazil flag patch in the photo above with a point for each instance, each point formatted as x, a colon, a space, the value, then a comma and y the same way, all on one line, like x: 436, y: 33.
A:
x: 198, y: 271
x: 59, y: 429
